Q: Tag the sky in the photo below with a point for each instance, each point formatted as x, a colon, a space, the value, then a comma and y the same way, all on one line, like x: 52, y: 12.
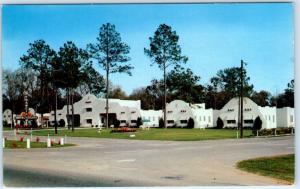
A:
x: 213, y: 37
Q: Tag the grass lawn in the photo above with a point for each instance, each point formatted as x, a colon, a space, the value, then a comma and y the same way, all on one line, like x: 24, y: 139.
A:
x: 175, y: 134
x: 280, y: 167
x: 7, y: 129
x: 9, y: 144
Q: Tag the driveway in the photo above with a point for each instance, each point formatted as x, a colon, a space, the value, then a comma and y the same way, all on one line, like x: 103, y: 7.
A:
x: 117, y: 162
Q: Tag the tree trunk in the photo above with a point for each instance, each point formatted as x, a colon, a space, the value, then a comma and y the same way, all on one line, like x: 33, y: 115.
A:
x: 107, y: 92
x: 72, y: 111
x: 242, y: 80
x: 107, y: 75
x: 12, y: 115
x: 165, y: 98
x: 42, y: 98
x: 68, y: 113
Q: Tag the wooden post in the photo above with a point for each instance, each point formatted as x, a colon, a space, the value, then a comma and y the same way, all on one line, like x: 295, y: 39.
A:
x: 48, y: 143
x: 28, y: 143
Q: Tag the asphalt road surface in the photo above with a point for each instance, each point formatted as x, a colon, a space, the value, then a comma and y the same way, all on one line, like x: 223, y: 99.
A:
x: 113, y: 162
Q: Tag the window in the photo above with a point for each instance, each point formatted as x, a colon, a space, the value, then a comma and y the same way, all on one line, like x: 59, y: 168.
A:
x: 183, y: 121
x: 231, y: 121
x: 169, y: 112
x: 247, y: 109
x: 133, y: 112
x: 59, y: 114
x: 88, y: 102
x: 89, y: 121
x: 170, y: 121
x: 269, y: 117
x: 182, y: 111
x: 273, y: 118
x: 203, y: 118
x: 123, y: 121
x: 230, y: 110
x: 153, y: 118
x: 122, y: 112
x: 291, y: 118
x: 133, y: 121
x: 208, y: 119
x: 88, y: 109
x: 248, y: 121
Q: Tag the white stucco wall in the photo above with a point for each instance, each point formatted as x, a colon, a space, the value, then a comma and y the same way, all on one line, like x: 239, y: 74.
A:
x: 270, y: 118
x: 203, y: 117
x: 285, y: 117
x: 151, y: 117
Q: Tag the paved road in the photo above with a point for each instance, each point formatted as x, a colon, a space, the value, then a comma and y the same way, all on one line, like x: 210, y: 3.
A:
x: 111, y: 162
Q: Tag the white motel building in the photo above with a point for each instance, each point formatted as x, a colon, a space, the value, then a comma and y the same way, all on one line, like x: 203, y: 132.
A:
x: 230, y: 114
x: 179, y: 112
x: 90, y: 111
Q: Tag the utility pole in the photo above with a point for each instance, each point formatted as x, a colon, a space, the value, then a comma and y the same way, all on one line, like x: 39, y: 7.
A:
x: 241, y: 100
x: 239, y: 118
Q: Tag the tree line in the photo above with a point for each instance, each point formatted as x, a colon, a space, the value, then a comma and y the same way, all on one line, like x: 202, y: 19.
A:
x: 54, y: 79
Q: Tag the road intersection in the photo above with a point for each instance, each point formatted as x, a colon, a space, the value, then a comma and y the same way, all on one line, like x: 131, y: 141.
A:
x: 120, y: 162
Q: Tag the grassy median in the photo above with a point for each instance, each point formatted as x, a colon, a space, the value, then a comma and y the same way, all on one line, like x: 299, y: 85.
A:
x: 172, y: 134
x: 279, y: 167
x: 13, y: 144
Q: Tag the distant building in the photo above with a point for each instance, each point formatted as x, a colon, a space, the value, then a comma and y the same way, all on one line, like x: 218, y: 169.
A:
x: 90, y: 111
x: 151, y: 118
x: 179, y: 112
x: 285, y: 117
x: 7, y: 116
x: 229, y: 114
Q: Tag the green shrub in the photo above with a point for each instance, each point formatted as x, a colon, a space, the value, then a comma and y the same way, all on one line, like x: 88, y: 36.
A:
x: 161, y: 123
x: 269, y: 132
x: 190, y: 123
x: 257, y: 124
x: 220, y: 123
x: 139, y: 122
x: 116, y: 123
x: 61, y: 123
x: 5, y: 124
